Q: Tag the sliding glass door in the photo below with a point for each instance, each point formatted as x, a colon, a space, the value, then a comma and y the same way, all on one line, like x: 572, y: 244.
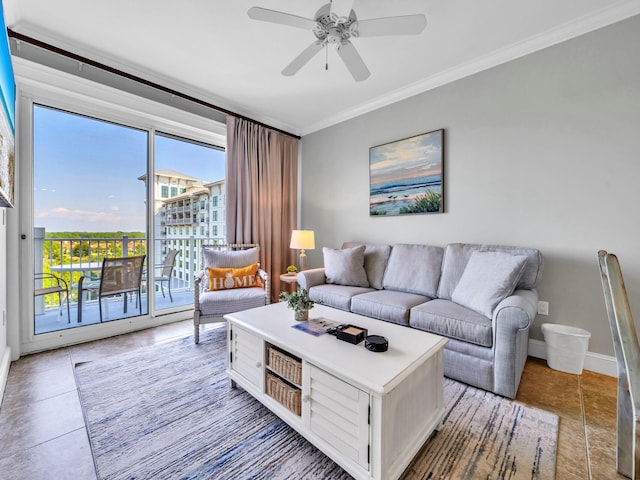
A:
x: 106, y: 174
x: 89, y: 203
x: 91, y: 189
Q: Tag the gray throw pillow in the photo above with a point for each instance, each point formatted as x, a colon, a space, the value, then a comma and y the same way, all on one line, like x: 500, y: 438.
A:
x: 375, y: 261
x: 231, y: 258
x: 345, y: 266
x: 488, y: 278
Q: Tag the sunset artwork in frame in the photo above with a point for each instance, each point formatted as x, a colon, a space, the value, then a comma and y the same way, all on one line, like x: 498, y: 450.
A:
x: 406, y: 176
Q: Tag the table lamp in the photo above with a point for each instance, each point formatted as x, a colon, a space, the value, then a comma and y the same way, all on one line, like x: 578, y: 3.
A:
x: 302, y: 240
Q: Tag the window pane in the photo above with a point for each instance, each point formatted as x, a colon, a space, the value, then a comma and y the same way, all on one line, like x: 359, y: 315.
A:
x: 89, y: 204
x: 183, y: 220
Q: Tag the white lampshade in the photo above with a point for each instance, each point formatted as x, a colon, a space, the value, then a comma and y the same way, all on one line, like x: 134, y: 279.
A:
x: 302, y: 240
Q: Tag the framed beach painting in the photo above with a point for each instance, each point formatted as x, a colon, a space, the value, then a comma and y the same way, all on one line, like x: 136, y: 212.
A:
x: 406, y: 176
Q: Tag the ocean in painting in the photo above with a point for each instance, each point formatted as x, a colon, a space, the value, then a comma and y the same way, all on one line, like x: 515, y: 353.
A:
x: 389, y: 197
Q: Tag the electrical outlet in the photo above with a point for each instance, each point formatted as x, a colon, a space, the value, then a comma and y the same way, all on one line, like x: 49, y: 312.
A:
x: 543, y: 308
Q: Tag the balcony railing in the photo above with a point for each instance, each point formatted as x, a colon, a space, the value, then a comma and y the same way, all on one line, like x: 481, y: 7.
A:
x: 66, y: 257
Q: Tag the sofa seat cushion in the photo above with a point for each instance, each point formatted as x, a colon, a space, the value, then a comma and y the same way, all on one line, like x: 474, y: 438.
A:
x: 387, y: 305
x: 336, y: 296
x: 222, y: 302
x: 449, y: 319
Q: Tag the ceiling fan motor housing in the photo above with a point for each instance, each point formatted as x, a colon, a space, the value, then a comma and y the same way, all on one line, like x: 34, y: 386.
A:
x: 333, y: 29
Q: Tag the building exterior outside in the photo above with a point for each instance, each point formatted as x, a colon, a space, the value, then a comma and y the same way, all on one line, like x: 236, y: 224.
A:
x: 187, y: 212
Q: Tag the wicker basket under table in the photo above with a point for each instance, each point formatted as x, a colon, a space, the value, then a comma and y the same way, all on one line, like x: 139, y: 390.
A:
x: 287, y: 395
x: 287, y: 367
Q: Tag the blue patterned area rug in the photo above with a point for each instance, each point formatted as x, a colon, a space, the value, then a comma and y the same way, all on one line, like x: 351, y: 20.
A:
x: 167, y: 412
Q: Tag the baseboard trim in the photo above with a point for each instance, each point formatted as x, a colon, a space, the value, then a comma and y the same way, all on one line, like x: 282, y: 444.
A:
x: 594, y: 362
x: 4, y: 370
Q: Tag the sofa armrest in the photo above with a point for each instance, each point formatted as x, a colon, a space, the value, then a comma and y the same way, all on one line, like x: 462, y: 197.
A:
x: 512, y: 319
x: 526, y: 304
x: 311, y: 278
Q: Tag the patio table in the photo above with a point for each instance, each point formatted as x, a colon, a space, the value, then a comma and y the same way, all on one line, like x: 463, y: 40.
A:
x: 85, y: 267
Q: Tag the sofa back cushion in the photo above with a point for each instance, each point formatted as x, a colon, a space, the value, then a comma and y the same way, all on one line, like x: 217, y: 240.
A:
x: 456, y: 256
x: 375, y: 261
x: 414, y: 269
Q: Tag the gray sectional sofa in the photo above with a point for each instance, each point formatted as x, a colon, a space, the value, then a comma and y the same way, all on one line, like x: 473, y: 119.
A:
x: 481, y: 297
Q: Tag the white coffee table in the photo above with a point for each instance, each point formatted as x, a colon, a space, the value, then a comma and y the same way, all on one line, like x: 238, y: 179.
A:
x: 369, y: 412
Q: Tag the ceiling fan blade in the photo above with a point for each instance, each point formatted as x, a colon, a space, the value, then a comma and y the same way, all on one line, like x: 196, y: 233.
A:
x: 298, y: 62
x: 273, y: 16
x: 402, y: 25
x: 353, y: 61
x: 341, y: 8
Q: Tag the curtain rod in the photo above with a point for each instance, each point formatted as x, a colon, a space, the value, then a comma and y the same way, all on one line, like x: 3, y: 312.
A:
x: 148, y: 83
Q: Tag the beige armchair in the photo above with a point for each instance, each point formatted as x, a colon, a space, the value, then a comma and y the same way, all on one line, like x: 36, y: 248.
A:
x: 230, y: 280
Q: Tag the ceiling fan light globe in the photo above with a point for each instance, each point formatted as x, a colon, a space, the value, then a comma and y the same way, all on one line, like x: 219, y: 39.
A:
x: 334, y: 37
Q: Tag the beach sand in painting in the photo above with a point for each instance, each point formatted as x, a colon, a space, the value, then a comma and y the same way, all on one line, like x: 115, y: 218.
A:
x: 391, y: 205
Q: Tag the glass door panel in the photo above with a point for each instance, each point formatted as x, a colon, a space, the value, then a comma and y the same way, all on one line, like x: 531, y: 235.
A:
x: 188, y: 186
x: 89, y: 204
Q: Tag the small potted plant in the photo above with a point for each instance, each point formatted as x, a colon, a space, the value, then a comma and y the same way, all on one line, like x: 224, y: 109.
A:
x: 299, y: 302
x: 291, y: 269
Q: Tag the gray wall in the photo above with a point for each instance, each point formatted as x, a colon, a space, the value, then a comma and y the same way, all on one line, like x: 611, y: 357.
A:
x: 543, y: 151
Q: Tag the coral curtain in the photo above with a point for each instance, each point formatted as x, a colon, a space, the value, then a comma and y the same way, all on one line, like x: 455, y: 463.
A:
x: 262, y: 193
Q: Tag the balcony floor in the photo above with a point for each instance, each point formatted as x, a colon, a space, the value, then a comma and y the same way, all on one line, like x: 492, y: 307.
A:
x: 112, y: 309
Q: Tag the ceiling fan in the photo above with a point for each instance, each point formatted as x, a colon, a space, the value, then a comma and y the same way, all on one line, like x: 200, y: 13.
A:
x: 336, y: 23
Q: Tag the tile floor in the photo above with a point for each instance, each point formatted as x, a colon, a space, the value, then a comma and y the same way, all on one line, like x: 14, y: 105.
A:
x: 43, y: 436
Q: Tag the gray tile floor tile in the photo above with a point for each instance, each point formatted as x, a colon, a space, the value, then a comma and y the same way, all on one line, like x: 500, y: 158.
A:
x: 34, y: 423
x: 67, y: 457
x: 38, y: 385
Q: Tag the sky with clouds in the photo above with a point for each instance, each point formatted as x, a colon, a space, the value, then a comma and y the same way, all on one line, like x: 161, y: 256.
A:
x: 412, y: 157
x: 86, y: 172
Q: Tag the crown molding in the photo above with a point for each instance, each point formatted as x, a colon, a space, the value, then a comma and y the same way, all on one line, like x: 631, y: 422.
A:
x: 580, y: 26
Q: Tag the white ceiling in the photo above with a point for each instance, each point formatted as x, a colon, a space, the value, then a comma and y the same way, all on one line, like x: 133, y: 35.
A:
x: 212, y: 50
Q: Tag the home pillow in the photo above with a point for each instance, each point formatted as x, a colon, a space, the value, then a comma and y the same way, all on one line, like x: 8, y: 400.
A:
x: 345, y: 266
x: 228, y: 278
x: 488, y: 278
